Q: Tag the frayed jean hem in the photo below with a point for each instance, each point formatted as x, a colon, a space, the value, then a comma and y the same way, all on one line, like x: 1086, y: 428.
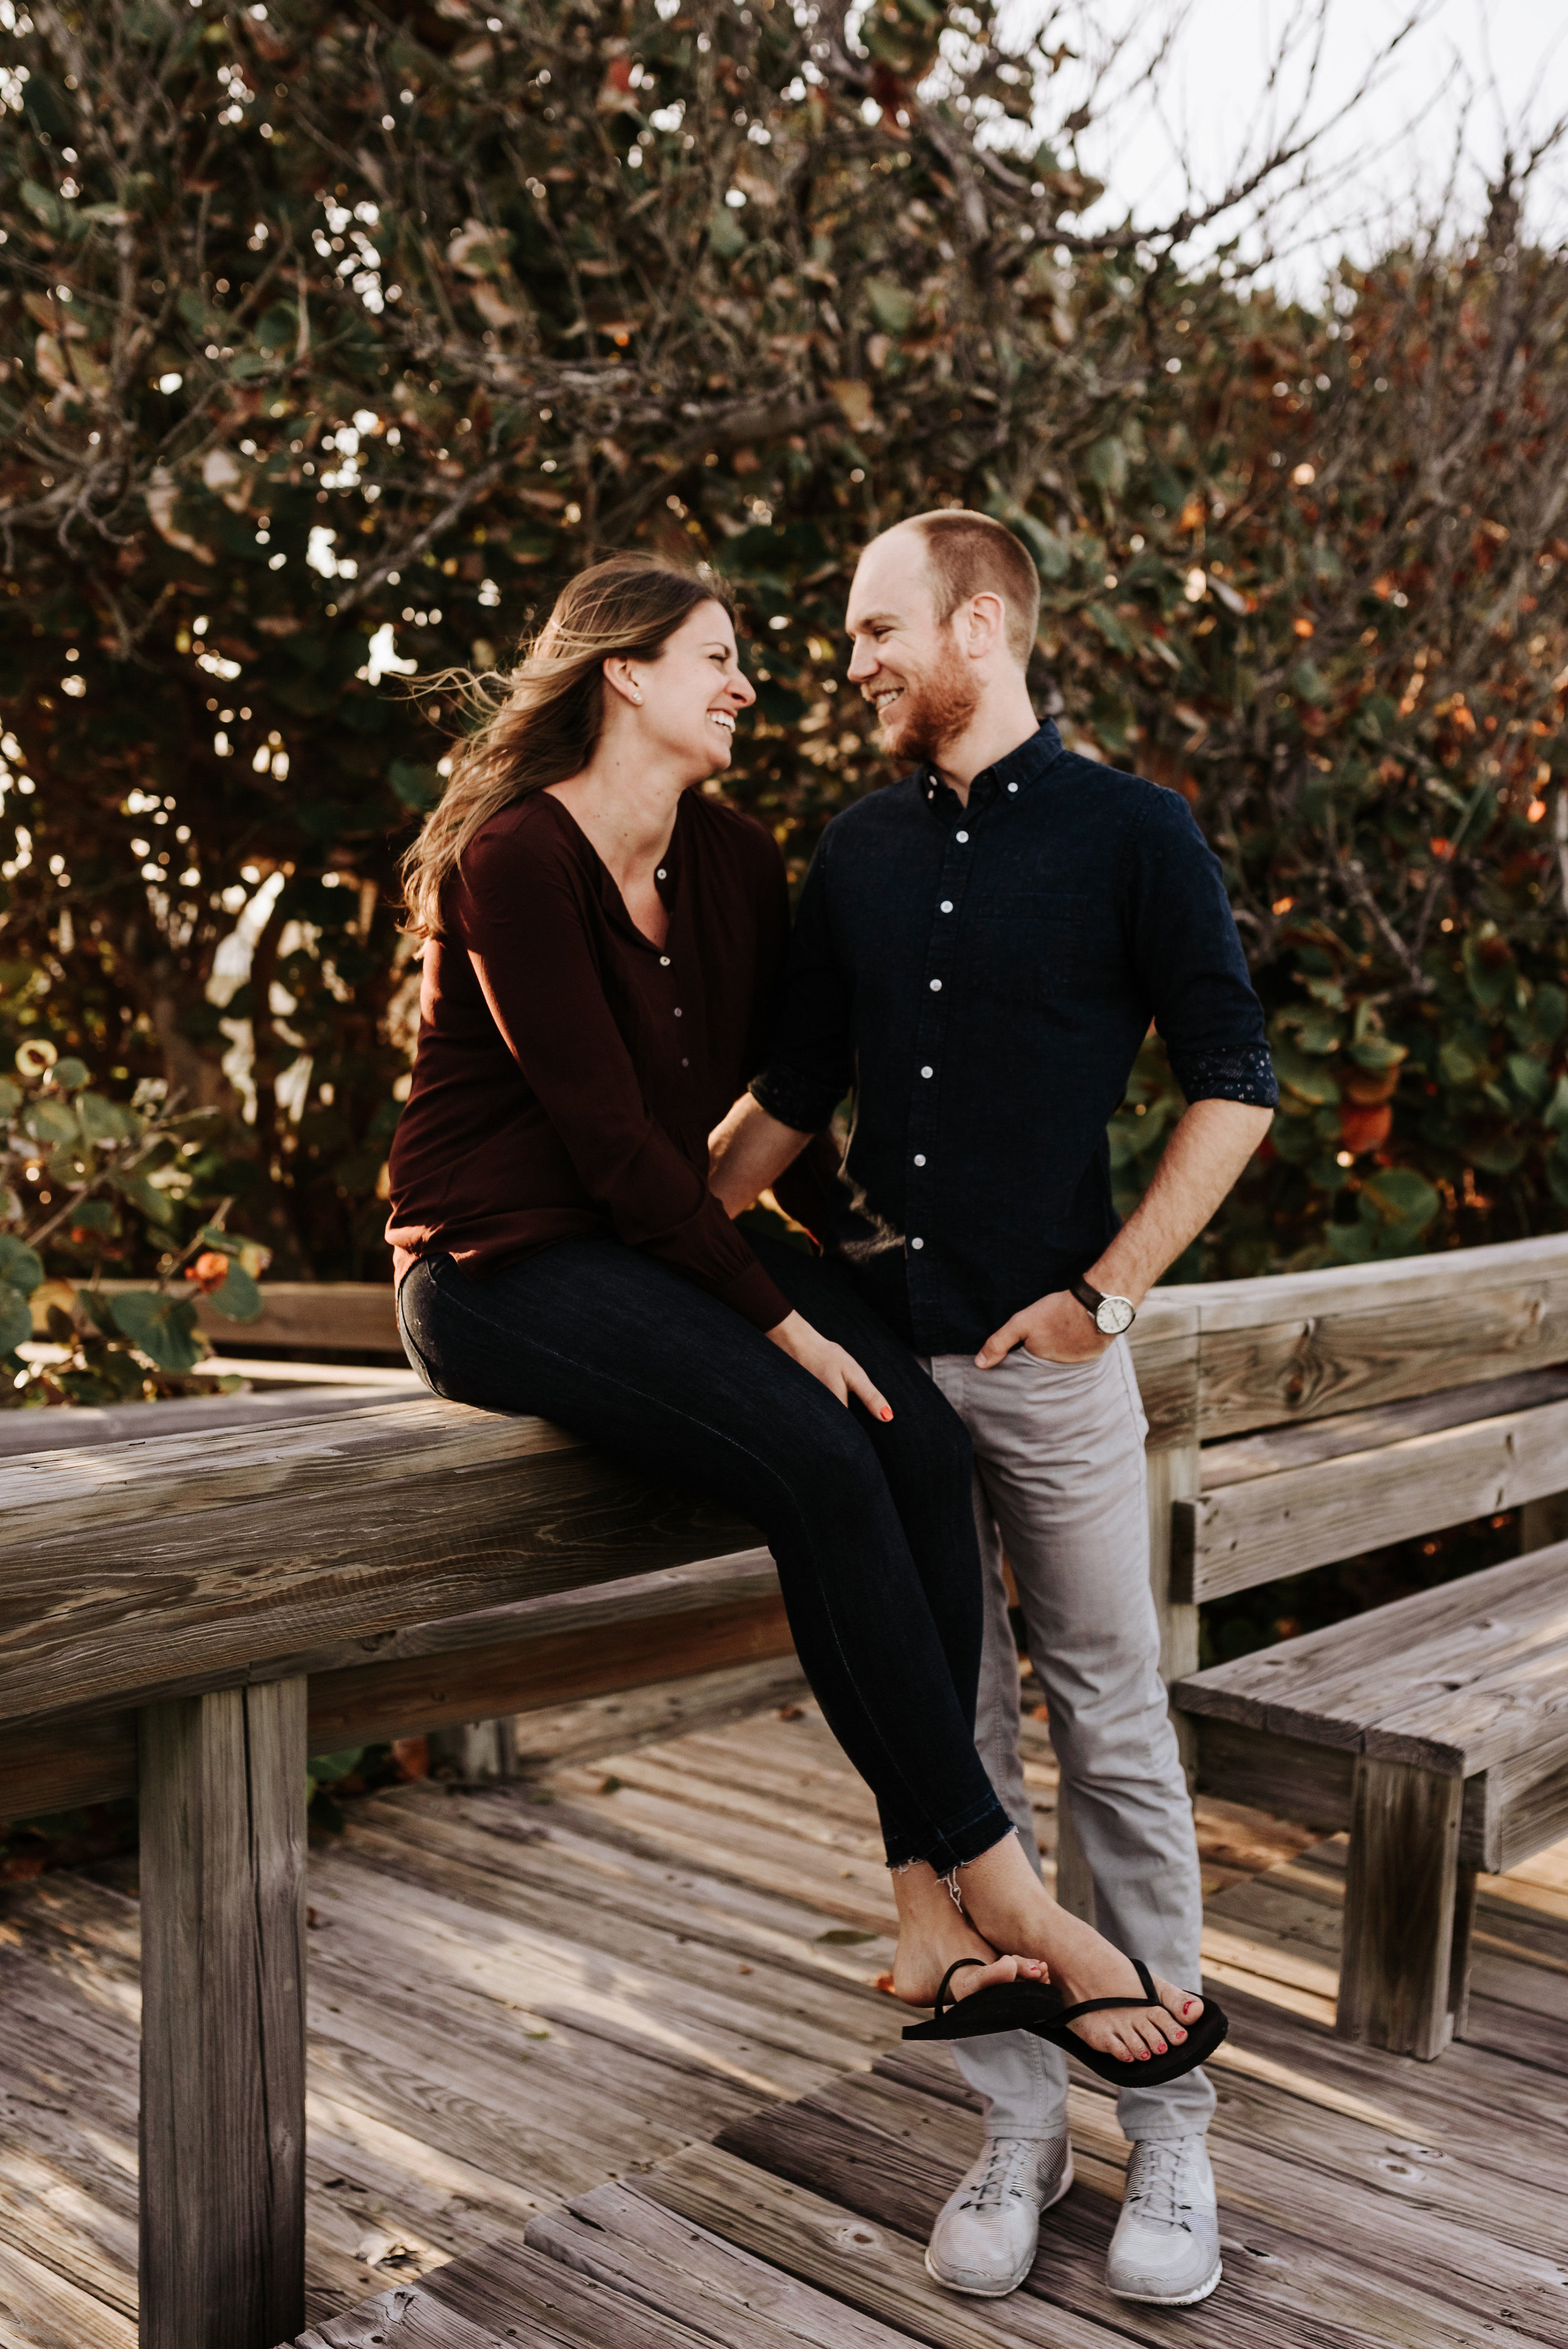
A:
x: 970, y: 1839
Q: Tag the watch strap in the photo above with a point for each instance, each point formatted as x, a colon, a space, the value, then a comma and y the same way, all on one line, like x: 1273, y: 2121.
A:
x: 1089, y: 1298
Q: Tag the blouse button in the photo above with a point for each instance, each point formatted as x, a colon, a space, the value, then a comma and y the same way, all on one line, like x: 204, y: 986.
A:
x: 961, y: 837
x: 920, y: 1157
x: 679, y: 1014
x: 917, y: 1243
x: 936, y: 987
x: 947, y: 904
x: 928, y: 1072
x: 663, y: 962
x: 660, y: 875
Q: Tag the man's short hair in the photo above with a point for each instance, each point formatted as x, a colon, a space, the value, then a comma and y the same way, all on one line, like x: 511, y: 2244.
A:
x: 970, y: 555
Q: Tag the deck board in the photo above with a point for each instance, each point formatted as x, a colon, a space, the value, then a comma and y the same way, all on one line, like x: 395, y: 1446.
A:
x: 598, y: 2059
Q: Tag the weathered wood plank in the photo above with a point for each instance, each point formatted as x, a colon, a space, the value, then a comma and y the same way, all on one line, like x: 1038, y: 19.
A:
x: 409, y: 2317
x: 1164, y: 1346
x: 507, y: 2282
x: 1299, y: 1443
x: 830, y: 2244
x: 138, y: 1423
x: 1455, y: 1678
x: 1281, y: 1774
x: 1233, y: 1536
x: 621, y: 2238
x: 504, y: 1660
x: 111, y: 1581
x: 1300, y: 1345
x: 1396, y: 1970
x: 222, y: 1968
x: 312, y: 1317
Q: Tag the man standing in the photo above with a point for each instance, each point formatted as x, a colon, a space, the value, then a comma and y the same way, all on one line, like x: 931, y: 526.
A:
x: 978, y: 954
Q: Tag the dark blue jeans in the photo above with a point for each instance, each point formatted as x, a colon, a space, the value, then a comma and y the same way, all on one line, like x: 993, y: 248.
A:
x: 871, y: 1524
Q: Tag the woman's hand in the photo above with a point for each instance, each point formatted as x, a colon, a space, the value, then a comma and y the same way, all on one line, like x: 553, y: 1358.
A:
x: 840, y: 1372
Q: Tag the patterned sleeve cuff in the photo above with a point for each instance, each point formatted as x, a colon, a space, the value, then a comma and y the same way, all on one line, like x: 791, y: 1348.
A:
x: 1244, y: 1074
x: 795, y: 1100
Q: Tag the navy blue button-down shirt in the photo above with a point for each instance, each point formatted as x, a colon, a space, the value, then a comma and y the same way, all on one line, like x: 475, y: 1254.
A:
x: 982, y: 976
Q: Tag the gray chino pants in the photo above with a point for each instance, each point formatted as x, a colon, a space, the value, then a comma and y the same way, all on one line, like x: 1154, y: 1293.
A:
x: 1060, y: 1482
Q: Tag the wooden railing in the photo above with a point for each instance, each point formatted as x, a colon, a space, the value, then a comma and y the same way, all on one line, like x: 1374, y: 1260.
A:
x: 176, y: 1614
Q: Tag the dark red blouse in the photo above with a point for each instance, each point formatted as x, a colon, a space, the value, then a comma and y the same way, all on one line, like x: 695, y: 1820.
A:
x: 569, y: 1072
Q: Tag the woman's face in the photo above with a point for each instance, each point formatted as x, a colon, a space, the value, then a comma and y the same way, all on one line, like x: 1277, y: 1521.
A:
x: 693, y: 694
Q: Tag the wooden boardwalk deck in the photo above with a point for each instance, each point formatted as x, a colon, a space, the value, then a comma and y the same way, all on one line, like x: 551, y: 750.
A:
x: 599, y: 2060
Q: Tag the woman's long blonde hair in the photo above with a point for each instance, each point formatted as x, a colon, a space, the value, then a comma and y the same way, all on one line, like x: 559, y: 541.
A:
x: 549, y: 725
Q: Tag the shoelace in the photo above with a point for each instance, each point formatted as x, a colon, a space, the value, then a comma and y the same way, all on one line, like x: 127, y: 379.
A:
x: 1157, y: 2193
x: 1007, y: 2163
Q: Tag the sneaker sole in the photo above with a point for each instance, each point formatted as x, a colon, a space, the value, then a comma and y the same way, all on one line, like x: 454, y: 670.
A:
x: 1173, y: 2299
x: 1000, y: 2291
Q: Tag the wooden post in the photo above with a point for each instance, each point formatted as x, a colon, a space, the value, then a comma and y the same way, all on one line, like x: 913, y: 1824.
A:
x: 1397, y: 1973
x: 479, y: 1749
x: 222, y: 2019
x: 1543, y: 1522
x: 1175, y: 1474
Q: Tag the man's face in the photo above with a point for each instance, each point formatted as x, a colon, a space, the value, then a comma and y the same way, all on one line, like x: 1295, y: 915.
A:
x: 905, y: 660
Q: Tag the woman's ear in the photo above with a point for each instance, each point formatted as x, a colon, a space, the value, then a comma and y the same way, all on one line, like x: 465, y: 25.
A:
x: 620, y: 672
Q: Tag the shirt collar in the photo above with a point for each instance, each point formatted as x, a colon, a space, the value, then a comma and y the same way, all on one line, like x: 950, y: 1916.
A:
x: 1009, y: 779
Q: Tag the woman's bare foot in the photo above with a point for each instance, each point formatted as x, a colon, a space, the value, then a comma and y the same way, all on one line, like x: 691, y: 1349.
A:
x: 933, y: 1934
x: 1005, y: 1903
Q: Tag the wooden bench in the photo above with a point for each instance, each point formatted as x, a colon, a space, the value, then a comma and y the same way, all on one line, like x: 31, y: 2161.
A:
x: 191, y: 1616
x: 1436, y: 1729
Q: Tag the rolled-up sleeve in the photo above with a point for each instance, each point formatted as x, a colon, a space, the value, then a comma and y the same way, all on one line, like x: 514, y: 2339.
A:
x: 1184, y: 944
x: 810, y: 1063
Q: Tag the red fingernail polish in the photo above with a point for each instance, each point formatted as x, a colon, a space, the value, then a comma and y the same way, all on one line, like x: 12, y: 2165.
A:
x: 886, y: 1411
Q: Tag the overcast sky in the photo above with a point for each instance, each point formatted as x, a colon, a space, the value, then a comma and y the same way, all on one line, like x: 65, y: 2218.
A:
x: 1505, y: 61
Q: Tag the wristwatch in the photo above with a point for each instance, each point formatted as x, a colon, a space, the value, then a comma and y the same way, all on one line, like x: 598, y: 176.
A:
x: 1113, y: 1315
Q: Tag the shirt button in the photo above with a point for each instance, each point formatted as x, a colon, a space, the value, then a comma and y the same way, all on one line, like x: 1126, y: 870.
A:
x: 963, y: 836
x: 679, y: 1013
x: 1012, y: 787
x: 661, y: 874
x: 936, y: 987
x: 928, y: 1072
x: 686, y: 1064
x: 947, y: 904
x: 663, y: 962
x: 920, y: 1157
x: 917, y: 1243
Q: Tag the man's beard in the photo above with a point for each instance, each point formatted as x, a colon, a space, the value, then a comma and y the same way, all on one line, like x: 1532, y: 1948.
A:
x: 935, y: 709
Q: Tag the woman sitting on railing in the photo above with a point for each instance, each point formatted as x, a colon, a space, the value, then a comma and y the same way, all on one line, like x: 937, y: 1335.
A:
x: 602, y: 943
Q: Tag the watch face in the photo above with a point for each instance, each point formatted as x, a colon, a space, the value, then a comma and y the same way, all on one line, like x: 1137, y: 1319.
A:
x: 1115, y: 1315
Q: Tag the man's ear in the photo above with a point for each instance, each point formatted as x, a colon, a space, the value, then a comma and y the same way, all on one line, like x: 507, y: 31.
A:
x: 986, y: 623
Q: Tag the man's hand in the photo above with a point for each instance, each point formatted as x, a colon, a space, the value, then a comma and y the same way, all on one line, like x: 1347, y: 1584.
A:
x: 747, y: 1152
x: 1055, y: 1328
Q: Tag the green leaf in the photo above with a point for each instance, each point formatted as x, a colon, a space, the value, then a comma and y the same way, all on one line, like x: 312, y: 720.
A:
x: 50, y: 1121
x: 418, y: 787
x: 106, y: 1121
x: 893, y: 306
x: 1555, y: 1114
x: 11, y: 1097
x: 1110, y: 628
x: 238, y: 1299
x: 67, y: 1075
x: 1532, y: 1077
x: 1459, y: 1063
x: 163, y: 1328
x: 1400, y: 1195
x: 725, y: 234
x: 1378, y: 1052
x: 327, y: 1768
x: 1107, y: 465
x: 277, y: 330
x: 1489, y: 968
x: 1551, y: 1010
x: 1309, y: 1079
x: 1053, y: 555
x: 15, y: 1318
x: 21, y: 1267
x: 1308, y: 684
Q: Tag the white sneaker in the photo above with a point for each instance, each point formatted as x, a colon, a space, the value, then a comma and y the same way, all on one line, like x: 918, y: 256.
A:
x: 985, y: 2232
x: 1166, y: 2247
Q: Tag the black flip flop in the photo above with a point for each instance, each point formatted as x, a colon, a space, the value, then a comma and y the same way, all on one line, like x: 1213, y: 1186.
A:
x: 1026, y: 2005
